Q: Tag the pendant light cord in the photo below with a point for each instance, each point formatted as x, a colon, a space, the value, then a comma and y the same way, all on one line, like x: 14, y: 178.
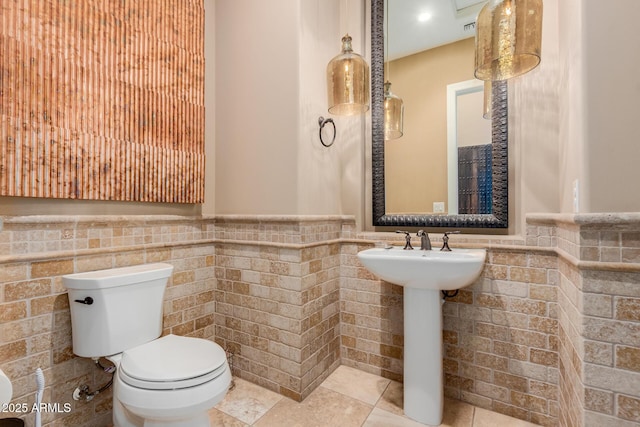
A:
x: 344, y: 17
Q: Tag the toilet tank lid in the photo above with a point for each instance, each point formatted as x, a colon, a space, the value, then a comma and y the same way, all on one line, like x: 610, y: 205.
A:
x: 117, y: 276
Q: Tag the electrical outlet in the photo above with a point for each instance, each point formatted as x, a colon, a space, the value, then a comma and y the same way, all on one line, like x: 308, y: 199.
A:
x: 438, y: 207
x: 576, y: 196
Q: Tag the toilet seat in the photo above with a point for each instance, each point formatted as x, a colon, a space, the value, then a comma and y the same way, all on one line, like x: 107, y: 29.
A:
x: 172, y: 362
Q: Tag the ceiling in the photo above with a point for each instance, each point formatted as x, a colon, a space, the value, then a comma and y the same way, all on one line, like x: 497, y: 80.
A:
x: 450, y: 20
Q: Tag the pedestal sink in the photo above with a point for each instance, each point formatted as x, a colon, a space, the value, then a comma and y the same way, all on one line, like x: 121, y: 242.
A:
x: 424, y: 274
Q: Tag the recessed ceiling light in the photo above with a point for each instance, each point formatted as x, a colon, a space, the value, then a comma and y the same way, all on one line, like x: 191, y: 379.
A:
x: 424, y: 17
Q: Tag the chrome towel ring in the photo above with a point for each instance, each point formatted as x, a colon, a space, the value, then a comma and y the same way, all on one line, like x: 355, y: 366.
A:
x: 322, y: 121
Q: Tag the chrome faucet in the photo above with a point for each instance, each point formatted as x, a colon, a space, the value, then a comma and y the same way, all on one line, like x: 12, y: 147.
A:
x: 407, y: 237
x: 445, y: 240
x: 425, y: 243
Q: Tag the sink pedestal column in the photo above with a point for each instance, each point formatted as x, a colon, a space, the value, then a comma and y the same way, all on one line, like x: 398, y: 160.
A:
x: 423, y: 376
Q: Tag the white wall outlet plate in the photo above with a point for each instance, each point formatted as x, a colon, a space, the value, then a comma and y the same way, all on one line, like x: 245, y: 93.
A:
x: 438, y: 207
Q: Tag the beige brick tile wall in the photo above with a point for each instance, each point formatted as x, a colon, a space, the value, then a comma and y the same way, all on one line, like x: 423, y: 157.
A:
x: 599, y: 321
x: 372, y: 318
x: 501, y: 337
x: 278, y: 299
x: 571, y: 396
x: 35, y: 323
x: 611, y: 353
x: 549, y: 333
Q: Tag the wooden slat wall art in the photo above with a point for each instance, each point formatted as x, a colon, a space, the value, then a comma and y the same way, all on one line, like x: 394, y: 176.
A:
x: 102, y: 100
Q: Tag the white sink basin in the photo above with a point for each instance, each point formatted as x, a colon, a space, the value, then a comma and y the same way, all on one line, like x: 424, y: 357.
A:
x: 424, y: 274
x: 425, y: 269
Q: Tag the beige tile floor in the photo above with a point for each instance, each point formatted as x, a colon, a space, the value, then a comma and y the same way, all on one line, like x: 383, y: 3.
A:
x: 348, y: 397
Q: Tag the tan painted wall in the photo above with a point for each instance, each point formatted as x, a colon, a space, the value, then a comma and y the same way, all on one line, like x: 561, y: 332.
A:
x: 209, y: 205
x: 269, y: 95
x: 574, y: 117
x: 257, y: 117
x: 416, y: 164
x: 538, y: 113
x: 611, y: 106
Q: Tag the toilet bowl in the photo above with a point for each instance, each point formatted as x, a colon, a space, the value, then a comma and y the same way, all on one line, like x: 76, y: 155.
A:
x: 169, y: 381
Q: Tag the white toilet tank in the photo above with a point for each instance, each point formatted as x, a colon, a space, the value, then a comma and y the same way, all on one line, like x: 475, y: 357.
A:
x: 117, y: 309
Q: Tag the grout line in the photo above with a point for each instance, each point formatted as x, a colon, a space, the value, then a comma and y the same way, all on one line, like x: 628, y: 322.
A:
x: 375, y: 405
x: 367, y: 417
x: 382, y: 394
x: 473, y: 416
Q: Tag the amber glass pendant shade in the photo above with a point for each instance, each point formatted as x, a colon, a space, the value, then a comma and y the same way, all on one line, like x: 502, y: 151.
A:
x: 508, y: 38
x: 348, y: 82
x: 393, y: 114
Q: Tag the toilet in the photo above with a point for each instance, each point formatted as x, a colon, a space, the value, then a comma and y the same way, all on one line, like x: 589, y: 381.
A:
x: 167, y: 381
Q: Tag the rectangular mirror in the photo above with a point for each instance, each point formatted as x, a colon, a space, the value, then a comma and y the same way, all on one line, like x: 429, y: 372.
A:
x: 453, y: 184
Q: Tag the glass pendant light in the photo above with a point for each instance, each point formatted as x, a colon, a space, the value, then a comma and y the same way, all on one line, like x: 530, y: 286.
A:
x: 348, y: 82
x: 508, y: 38
x: 393, y: 105
x: 393, y: 114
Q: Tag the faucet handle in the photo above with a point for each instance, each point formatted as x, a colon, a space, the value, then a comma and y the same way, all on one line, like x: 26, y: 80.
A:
x: 445, y: 240
x: 407, y: 237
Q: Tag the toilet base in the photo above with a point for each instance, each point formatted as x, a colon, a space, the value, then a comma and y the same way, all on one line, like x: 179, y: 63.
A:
x: 200, y: 421
x: 124, y: 418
